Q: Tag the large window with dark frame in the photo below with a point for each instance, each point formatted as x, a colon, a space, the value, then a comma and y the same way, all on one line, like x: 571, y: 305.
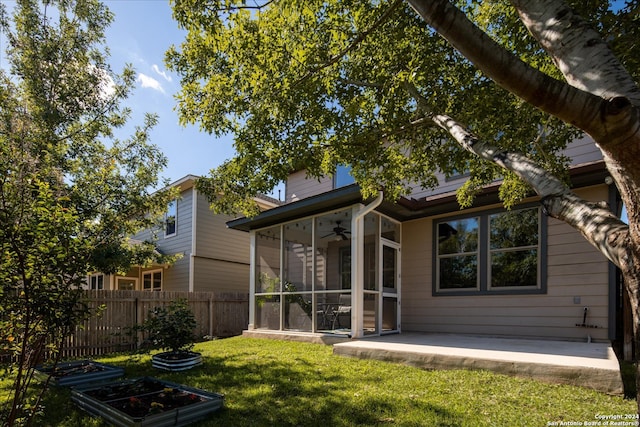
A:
x: 490, y: 252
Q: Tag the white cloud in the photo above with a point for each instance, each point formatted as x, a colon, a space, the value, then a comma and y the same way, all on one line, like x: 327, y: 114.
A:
x: 161, y: 72
x: 149, y: 82
x: 107, y: 85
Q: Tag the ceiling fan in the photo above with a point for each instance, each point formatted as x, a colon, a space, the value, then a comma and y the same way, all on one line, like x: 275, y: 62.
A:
x: 339, y: 231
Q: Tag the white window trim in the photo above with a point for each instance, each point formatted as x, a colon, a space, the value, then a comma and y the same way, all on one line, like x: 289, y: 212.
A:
x: 175, y: 228
x: 96, y: 276
x: 151, y: 272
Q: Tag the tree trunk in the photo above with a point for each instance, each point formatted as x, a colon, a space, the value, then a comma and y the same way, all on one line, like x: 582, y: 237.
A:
x: 607, y: 107
x: 630, y: 270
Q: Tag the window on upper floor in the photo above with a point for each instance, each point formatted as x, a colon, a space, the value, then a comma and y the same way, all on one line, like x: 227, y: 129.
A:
x: 490, y: 252
x: 343, y: 177
x: 170, y: 219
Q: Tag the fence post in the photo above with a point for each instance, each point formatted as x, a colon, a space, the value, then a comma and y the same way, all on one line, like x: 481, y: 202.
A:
x: 138, y: 334
x: 211, y: 317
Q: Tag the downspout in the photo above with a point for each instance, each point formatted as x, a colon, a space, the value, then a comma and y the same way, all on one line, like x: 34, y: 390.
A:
x: 252, y: 280
x: 357, y: 266
x: 194, y: 236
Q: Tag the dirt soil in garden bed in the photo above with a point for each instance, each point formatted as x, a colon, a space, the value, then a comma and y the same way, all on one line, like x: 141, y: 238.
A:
x: 84, y: 368
x: 144, y: 397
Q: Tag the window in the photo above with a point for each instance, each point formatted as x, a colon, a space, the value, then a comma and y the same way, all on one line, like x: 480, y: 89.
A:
x: 170, y: 219
x: 96, y: 281
x: 152, y: 281
x: 126, y: 283
x: 457, y: 174
x: 343, y: 177
x: 493, y: 252
x: 389, y: 268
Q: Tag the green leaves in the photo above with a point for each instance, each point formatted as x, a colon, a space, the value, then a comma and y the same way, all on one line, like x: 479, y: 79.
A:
x: 69, y: 192
x: 170, y: 328
x: 315, y: 84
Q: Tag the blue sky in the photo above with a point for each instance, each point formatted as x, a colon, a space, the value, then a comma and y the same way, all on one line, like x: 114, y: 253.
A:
x: 141, y: 33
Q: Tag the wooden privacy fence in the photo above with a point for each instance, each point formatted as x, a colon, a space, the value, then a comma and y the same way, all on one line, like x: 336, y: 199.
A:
x: 217, y: 315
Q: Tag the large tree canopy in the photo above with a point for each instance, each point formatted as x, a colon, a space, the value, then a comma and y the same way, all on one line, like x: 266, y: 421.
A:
x: 69, y: 191
x: 398, y: 90
x: 314, y: 84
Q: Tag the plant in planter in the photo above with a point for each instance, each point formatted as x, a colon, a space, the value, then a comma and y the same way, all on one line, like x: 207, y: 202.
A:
x: 171, y: 329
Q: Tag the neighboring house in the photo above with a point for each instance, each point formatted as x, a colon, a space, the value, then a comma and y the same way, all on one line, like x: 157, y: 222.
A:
x: 368, y: 267
x: 213, y: 257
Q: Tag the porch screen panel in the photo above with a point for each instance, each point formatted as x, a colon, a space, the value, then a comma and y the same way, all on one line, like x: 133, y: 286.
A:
x: 268, y: 260
x: 370, y: 313
x: 298, y: 310
x: 389, y: 313
x: 390, y: 230
x: 298, y: 256
x: 370, y: 251
x: 333, y: 251
x: 389, y: 268
x: 267, y: 312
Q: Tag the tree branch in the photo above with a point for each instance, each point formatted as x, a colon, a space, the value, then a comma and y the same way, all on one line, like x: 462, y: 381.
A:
x: 351, y: 45
x: 560, y: 99
x: 245, y: 7
x: 594, y: 221
x: 360, y: 83
x: 584, y: 59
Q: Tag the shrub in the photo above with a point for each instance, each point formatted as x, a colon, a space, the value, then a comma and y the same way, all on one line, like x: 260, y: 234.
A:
x: 170, y: 328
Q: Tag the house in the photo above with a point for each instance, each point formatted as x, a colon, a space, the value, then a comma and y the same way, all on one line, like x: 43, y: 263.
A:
x: 212, y: 257
x: 329, y: 262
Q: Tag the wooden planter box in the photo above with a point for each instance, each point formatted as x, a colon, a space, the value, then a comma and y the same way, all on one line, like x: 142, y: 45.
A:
x: 79, y: 372
x: 180, y: 361
x: 146, y: 401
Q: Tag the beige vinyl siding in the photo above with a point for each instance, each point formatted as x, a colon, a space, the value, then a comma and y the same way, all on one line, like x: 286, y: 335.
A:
x: 176, y: 277
x: 220, y: 276
x: 575, y: 270
x: 580, y: 151
x: 215, y: 240
x: 299, y: 187
x: 221, y: 261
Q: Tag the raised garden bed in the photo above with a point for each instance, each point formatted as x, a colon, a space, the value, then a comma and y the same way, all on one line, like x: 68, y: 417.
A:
x: 176, y: 360
x: 78, y: 372
x: 146, y: 401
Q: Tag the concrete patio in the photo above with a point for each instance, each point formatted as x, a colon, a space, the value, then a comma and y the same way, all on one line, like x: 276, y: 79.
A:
x: 591, y: 365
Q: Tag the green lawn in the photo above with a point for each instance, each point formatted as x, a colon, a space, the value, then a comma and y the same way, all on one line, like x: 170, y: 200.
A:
x: 278, y: 383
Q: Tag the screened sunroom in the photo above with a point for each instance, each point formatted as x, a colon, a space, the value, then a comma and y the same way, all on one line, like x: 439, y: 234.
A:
x: 334, y: 272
